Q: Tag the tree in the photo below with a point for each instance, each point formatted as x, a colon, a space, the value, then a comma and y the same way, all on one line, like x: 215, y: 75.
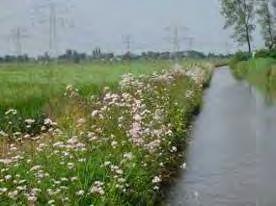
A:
x: 97, y: 53
x: 267, y: 22
x: 239, y: 14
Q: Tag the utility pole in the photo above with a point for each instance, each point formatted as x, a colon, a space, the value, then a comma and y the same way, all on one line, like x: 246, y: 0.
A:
x: 127, y: 41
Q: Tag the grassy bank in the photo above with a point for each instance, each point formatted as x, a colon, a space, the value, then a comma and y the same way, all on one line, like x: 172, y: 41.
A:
x: 260, y: 72
x: 115, y: 146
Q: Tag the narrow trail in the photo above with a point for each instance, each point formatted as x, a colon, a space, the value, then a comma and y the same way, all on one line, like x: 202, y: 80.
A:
x: 233, y: 146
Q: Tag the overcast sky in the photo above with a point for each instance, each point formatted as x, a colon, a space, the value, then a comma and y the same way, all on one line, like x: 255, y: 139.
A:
x: 85, y: 24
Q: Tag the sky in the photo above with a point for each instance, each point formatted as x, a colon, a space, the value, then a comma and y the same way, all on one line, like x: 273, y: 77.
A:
x: 86, y: 24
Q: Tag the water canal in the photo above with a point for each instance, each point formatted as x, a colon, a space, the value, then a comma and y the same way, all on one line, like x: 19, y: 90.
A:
x: 231, y: 159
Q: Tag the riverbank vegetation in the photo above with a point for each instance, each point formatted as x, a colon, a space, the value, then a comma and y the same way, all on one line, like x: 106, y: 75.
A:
x: 108, y: 138
x: 257, y: 67
x: 241, y: 16
x: 259, y: 71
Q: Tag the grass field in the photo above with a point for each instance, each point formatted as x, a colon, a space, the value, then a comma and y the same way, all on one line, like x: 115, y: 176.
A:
x: 34, y: 90
x: 260, y: 73
x: 35, y: 84
x: 101, y: 138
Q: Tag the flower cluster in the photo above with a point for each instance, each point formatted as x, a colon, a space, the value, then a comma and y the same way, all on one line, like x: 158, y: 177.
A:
x: 117, y: 151
x: 17, y: 128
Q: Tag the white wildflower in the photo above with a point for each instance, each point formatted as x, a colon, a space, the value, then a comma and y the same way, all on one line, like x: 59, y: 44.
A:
x: 80, y: 193
x: 29, y: 121
x: 11, y: 111
x: 156, y: 179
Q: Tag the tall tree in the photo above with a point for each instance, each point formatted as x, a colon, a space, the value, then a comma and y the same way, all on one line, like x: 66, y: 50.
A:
x: 239, y: 14
x: 267, y: 22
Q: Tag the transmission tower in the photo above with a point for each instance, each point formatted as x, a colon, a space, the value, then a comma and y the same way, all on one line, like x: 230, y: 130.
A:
x: 127, y: 41
x: 176, y: 37
x: 190, y: 41
x: 17, y: 35
x: 176, y: 40
x: 52, y: 27
x: 53, y: 15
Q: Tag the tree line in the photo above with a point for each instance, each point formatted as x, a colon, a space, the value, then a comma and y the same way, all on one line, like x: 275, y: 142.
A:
x: 244, y: 15
x: 74, y: 56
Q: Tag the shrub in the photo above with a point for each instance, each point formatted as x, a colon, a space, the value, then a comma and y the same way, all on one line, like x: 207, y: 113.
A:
x: 241, y: 56
x: 237, y: 63
x: 264, y: 53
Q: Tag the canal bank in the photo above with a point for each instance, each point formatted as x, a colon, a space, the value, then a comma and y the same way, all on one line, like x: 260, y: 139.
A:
x: 232, y: 146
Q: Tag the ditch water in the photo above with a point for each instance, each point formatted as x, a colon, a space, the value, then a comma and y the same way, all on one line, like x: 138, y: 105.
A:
x: 232, y: 156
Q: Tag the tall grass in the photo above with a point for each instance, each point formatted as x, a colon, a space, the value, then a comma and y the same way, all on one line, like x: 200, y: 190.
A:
x: 260, y: 72
x: 118, y: 146
x: 36, y: 90
x: 25, y: 81
x: 33, y: 89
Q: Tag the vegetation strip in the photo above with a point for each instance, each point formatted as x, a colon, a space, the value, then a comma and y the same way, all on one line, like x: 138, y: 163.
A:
x: 115, y: 148
x: 260, y: 72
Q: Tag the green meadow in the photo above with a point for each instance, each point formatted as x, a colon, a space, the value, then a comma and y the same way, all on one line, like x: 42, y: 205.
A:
x: 28, y: 87
x: 111, y: 138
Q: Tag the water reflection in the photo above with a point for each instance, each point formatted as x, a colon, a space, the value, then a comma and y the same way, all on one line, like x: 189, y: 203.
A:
x: 269, y: 91
x: 266, y: 142
x: 231, y: 159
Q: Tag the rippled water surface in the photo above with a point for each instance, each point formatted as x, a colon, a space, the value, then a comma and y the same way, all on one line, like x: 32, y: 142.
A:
x: 232, y: 158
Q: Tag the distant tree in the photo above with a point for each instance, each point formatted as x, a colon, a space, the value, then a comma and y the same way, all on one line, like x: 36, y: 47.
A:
x: 239, y: 14
x: 23, y: 58
x: 267, y: 23
x: 9, y: 58
x: 97, y: 53
x: 195, y: 54
x: 68, y: 54
x: 44, y: 58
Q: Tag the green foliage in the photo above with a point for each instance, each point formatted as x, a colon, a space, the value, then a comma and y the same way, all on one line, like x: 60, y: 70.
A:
x: 260, y: 72
x: 237, y: 58
x: 267, y: 22
x: 266, y: 53
x: 241, y: 56
x: 239, y: 14
x: 240, y: 69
